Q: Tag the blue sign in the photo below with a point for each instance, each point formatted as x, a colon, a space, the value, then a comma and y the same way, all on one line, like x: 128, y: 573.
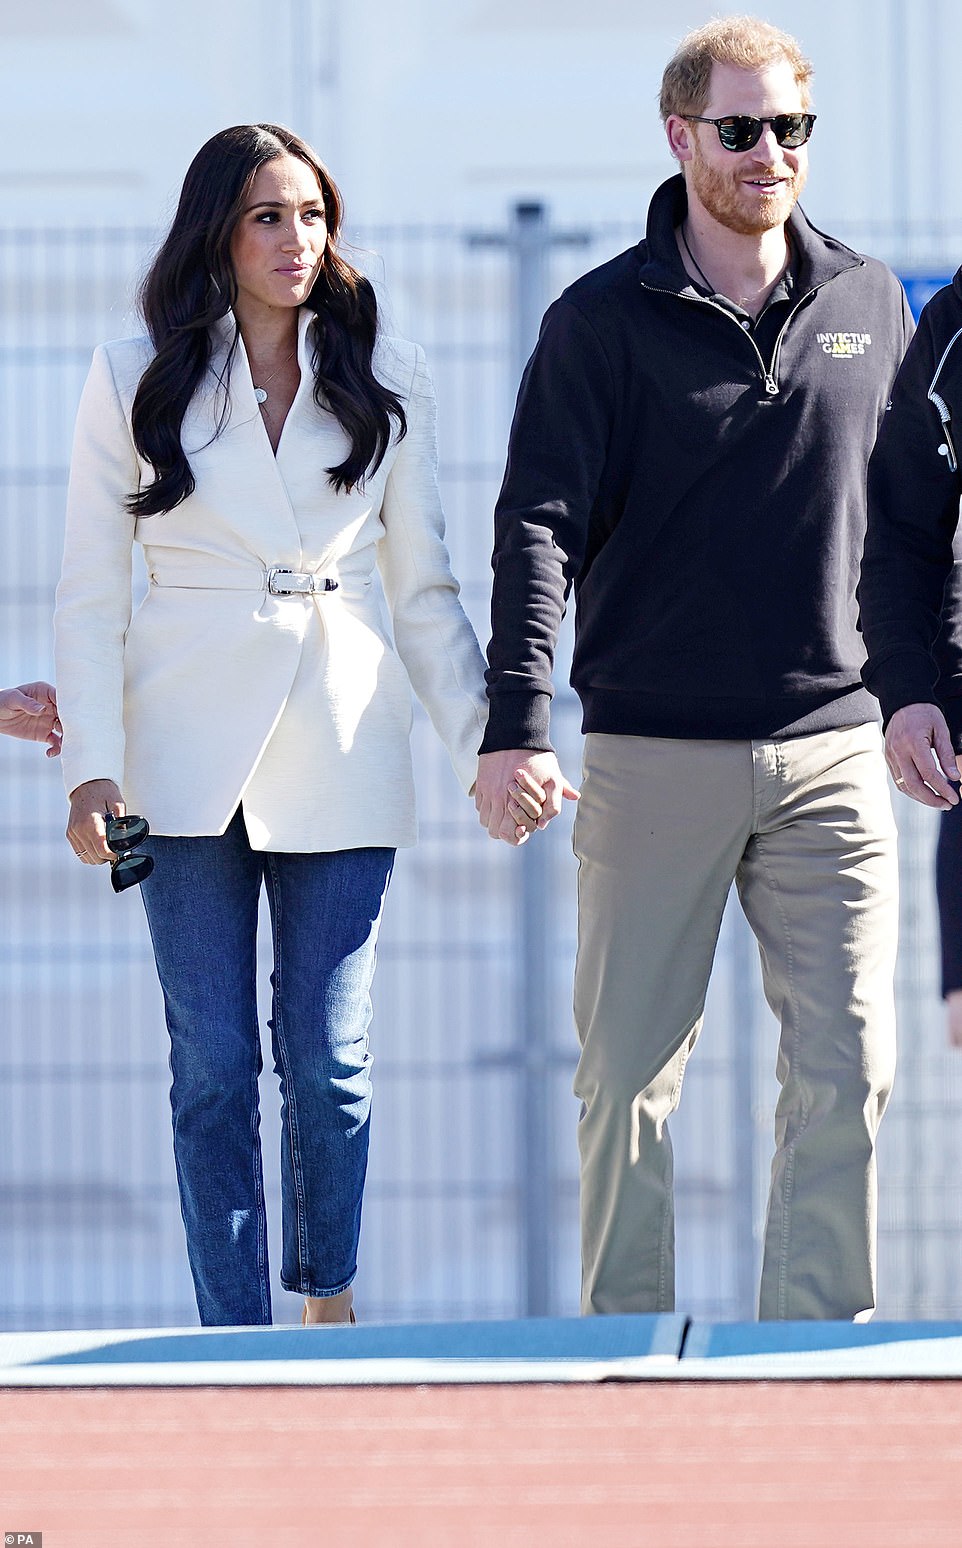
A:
x: 920, y: 288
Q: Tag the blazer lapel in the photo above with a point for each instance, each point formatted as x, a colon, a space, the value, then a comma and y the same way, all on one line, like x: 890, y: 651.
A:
x: 224, y: 427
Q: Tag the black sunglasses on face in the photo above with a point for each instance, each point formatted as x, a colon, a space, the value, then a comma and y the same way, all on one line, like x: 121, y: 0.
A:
x: 123, y: 834
x: 740, y: 131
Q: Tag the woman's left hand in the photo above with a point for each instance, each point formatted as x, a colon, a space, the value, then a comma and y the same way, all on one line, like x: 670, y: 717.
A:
x: 90, y: 805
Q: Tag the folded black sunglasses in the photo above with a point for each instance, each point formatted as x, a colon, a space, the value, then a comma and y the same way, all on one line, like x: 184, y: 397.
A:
x: 122, y: 836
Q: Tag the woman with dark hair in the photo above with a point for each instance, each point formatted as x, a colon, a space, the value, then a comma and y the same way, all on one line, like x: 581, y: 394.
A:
x: 274, y: 454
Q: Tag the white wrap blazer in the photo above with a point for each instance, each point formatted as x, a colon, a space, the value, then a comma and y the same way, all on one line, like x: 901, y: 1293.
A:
x: 215, y: 692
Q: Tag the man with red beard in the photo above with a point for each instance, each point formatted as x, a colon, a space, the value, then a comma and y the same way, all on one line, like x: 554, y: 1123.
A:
x: 689, y: 452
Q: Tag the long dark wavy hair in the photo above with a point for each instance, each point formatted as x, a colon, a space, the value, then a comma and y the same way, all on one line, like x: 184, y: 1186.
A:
x: 191, y: 285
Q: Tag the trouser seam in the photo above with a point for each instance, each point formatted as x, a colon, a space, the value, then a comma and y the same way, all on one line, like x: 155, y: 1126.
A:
x: 256, y: 1157
x: 260, y: 1200
x: 293, y: 1139
x: 788, y: 1186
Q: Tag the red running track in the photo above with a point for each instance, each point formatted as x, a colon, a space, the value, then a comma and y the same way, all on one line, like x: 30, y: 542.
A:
x: 849, y: 1464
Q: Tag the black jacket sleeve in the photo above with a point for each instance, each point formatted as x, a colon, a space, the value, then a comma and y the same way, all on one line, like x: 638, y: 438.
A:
x: 913, y: 509
x: 556, y: 457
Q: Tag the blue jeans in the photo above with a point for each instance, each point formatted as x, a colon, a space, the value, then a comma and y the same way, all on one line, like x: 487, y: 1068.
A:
x: 201, y: 903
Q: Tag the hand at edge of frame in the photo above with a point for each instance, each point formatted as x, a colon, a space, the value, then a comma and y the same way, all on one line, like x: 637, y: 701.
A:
x: 953, y: 1017
x: 30, y: 713
x: 920, y: 755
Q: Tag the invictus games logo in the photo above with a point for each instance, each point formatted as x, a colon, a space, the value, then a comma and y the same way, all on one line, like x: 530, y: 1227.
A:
x: 843, y: 346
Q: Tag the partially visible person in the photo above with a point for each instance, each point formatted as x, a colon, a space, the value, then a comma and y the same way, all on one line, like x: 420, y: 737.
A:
x: 948, y: 887
x: 910, y: 599
x: 30, y: 713
x: 910, y: 593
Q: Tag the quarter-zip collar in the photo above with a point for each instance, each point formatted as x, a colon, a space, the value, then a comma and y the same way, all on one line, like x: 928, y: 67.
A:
x: 818, y: 258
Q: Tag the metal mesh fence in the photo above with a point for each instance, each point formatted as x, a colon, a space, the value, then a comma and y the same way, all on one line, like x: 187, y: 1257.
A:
x: 471, y: 1209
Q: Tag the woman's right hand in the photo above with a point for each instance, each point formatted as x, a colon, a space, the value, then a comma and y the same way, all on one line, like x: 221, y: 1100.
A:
x: 90, y: 805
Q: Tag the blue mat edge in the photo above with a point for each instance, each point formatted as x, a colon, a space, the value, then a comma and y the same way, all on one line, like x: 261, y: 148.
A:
x: 671, y: 1346
x: 746, y: 1340
x: 535, y: 1340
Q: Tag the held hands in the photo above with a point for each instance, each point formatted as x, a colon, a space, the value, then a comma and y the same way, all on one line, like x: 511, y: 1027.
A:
x: 30, y: 712
x: 518, y: 791
x: 89, y: 806
x: 920, y: 755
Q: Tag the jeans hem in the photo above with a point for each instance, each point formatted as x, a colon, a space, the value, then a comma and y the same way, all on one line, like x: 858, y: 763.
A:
x: 317, y: 1294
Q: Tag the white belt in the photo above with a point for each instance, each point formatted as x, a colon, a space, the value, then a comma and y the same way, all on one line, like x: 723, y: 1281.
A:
x: 279, y: 581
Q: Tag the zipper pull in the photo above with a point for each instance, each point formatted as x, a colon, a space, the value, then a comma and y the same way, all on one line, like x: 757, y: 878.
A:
x: 771, y: 386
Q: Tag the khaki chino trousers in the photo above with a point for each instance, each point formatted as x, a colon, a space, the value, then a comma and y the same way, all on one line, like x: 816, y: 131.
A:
x: 804, y: 828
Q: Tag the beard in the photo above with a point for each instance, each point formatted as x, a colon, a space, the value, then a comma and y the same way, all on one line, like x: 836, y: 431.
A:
x: 724, y: 198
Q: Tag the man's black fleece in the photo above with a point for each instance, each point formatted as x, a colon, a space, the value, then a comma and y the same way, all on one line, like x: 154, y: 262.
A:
x: 706, y: 500
x: 909, y: 583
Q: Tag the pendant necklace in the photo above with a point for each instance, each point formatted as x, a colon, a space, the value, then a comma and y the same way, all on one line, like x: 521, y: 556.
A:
x: 703, y: 276
x: 260, y: 393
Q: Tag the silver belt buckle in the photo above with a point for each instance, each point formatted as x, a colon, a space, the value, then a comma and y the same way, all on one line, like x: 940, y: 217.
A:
x: 282, y: 582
